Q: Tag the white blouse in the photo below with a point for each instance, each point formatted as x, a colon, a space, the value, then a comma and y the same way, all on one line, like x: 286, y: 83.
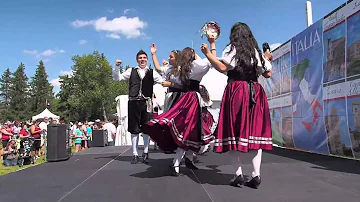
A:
x: 198, y: 70
x: 227, y: 58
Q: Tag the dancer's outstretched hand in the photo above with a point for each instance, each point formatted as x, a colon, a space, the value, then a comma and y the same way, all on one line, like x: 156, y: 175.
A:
x: 205, y: 48
x: 166, y: 84
x: 211, y: 39
x: 153, y: 48
x: 268, y: 55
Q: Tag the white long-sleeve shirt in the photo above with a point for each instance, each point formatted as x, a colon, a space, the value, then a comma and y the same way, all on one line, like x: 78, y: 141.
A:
x: 142, y: 71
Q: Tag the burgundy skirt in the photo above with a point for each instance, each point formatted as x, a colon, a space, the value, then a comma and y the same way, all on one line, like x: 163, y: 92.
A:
x: 180, y: 126
x: 243, y: 125
x: 208, y: 123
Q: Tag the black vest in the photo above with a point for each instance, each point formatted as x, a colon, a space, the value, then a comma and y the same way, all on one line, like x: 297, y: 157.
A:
x: 233, y: 75
x: 138, y: 86
x: 193, y: 85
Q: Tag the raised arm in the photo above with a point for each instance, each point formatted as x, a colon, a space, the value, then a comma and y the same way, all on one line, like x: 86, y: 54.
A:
x: 123, y: 76
x: 215, y: 62
x: 156, y: 63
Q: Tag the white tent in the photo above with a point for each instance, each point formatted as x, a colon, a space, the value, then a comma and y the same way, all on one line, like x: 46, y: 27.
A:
x: 45, y: 113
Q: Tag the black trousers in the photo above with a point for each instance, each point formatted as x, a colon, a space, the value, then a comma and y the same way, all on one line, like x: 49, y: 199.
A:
x: 137, y: 115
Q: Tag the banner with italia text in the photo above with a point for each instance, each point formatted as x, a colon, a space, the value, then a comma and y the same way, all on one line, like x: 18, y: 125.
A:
x: 314, y: 91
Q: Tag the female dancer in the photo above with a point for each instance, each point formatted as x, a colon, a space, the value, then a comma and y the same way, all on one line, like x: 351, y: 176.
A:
x: 207, y: 118
x: 174, y: 91
x: 244, y: 119
x: 169, y: 74
x: 181, y: 126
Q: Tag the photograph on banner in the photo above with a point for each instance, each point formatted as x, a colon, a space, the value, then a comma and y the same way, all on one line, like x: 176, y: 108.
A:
x: 275, y: 115
x: 353, y: 112
x: 275, y: 81
x: 286, y: 81
x: 353, y: 40
x: 281, y: 81
x: 306, y: 86
x: 267, y: 87
x: 334, y: 45
x: 276, y: 65
x: 286, y: 126
x: 276, y: 106
x: 335, y: 116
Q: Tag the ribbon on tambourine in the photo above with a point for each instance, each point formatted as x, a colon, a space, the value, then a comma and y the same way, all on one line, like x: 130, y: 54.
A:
x: 210, y: 28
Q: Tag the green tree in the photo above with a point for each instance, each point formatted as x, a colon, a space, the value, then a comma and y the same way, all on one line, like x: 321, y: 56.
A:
x: 64, y: 108
x: 5, y: 83
x: 19, y: 94
x: 41, y: 89
x: 121, y: 69
x: 127, y: 67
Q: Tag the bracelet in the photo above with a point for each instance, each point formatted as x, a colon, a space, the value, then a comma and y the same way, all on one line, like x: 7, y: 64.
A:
x: 212, y: 49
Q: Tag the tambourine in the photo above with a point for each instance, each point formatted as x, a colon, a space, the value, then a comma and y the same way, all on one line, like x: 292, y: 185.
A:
x: 210, y: 28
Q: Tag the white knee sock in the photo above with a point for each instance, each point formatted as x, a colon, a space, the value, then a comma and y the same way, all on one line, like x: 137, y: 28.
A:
x: 146, y: 142
x: 178, y: 156
x: 238, y: 171
x: 135, y: 142
x: 256, y: 163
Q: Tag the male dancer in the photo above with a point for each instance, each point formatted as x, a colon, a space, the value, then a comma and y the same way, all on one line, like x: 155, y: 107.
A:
x: 141, y: 82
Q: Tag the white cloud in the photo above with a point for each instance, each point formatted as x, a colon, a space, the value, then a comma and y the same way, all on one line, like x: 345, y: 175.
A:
x: 274, y: 46
x: 126, y: 11
x: 30, y: 52
x: 128, y: 27
x: 45, y: 53
x: 81, y: 23
x: 113, y: 35
x: 68, y: 73
x: 56, y: 82
x: 82, y: 42
x: 46, y: 60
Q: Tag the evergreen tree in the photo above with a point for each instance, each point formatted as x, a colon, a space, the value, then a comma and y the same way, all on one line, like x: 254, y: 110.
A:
x: 5, y: 84
x: 121, y: 69
x: 19, y: 94
x: 127, y: 67
x: 41, y: 89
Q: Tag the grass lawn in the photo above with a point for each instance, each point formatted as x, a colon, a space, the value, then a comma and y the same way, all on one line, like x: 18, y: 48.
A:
x: 9, y: 169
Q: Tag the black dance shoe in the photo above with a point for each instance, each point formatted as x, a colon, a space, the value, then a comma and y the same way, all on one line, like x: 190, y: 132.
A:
x: 237, y: 181
x: 173, y: 171
x: 254, y: 182
x: 145, y: 158
x: 135, y: 159
x: 189, y: 164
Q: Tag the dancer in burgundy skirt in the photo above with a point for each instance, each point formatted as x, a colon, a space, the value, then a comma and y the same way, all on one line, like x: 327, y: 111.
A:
x: 244, y: 119
x: 181, y: 127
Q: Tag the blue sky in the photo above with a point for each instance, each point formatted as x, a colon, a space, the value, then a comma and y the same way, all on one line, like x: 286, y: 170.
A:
x: 55, y: 30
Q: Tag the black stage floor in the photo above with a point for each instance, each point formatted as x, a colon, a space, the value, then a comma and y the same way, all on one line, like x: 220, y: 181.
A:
x: 106, y: 175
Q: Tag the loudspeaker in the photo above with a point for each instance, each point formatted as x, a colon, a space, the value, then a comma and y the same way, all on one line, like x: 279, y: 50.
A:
x: 99, y: 138
x: 58, y: 142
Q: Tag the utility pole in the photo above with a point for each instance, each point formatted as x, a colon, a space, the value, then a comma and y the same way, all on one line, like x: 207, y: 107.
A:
x: 309, y: 17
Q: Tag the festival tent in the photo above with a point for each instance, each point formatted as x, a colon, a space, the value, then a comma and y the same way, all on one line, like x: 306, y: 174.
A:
x: 45, y: 113
x: 215, y: 82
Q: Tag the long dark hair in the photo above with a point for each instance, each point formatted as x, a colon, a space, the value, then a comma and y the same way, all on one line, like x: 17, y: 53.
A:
x: 184, y: 61
x: 204, y: 93
x: 244, y: 42
x: 174, y: 71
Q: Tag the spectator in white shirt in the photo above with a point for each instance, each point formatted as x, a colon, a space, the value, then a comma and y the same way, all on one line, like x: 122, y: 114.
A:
x: 111, y: 130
